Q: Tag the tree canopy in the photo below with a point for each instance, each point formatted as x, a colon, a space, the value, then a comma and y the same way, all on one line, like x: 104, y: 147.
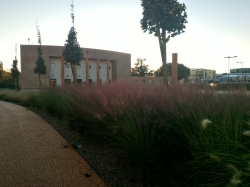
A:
x: 166, y: 19
x: 15, y: 72
x: 6, y: 80
x: 72, y: 53
x: 183, y: 71
x: 1, y: 69
x: 141, y: 69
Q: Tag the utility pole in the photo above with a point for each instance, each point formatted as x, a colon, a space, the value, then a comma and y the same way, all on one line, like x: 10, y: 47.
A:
x: 241, y: 70
x: 15, y: 50
x: 228, y: 57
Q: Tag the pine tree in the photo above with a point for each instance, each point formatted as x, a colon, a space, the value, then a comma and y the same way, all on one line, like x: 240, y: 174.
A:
x: 40, y: 68
x: 15, y: 73
x: 72, y: 53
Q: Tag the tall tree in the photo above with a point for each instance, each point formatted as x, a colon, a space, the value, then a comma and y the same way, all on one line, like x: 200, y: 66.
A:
x: 15, y: 73
x: 72, y: 53
x: 1, y: 69
x: 40, y: 68
x: 141, y: 69
x: 183, y: 71
x: 166, y: 19
x: 6, y: 81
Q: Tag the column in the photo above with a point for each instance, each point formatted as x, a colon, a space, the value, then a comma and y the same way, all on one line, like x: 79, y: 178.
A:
x: 98, y: 71
x: 62, y: 72
x: 87, y: 71
x: 108, y: 74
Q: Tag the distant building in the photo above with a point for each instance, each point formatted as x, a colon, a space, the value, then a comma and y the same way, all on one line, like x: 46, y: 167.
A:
x: 196, y: 75
x: 240, y: 70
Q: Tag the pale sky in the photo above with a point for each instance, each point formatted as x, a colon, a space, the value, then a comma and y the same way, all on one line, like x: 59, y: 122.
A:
x: 215, y: 29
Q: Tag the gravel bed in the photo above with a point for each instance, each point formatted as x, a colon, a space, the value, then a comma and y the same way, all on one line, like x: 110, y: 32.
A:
x: 99, y: 157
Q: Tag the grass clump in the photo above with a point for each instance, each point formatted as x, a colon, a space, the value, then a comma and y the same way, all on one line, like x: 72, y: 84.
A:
x: 183, y: 136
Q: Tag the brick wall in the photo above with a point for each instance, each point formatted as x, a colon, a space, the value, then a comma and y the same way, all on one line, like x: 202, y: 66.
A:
x: 121, y: 63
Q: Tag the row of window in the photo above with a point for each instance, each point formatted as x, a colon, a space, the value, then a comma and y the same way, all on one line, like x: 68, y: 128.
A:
x: 79, y: 81
x: 67, y: 65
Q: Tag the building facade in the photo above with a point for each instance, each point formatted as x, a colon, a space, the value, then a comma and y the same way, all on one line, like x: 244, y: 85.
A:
x: 97, y: 67
x: 240, y: 70
x: 196, y: 75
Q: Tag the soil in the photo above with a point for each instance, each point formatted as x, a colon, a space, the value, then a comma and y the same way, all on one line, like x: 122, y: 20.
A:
x: 99, y: 157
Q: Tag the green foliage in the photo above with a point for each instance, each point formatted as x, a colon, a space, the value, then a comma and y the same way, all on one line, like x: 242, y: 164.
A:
x: 165, y: 19
x: 40, y: 68
x: 176, y: 137
x: 1, y: 70
x: 141, y: 69
x: 72, y: 53
x: 15, y: 72
x: 169, y: 16
x: 7, y: 81
x: 183, y: 71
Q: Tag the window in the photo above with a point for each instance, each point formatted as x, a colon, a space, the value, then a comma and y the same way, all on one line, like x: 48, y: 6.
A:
x: 67, y: 81
x: 52, y: 82
x: 79, y: 81
x: 67, y: 65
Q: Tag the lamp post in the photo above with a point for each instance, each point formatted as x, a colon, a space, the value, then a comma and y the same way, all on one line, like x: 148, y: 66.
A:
x: 241, y: 70
x: 228, y: 57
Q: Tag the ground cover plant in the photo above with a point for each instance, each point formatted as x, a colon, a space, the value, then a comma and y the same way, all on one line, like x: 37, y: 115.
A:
x: 181, y: 136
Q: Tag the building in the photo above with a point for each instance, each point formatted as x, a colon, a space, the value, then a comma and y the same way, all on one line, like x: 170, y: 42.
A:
x: 240, y: 70
x: 97, y: 67
x: 196, y: 75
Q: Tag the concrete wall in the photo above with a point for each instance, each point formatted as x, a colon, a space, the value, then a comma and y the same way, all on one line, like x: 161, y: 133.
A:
x: 120, y: 65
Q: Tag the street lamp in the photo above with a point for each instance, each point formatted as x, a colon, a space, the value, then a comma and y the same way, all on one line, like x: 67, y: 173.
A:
x: 228, y: 57
x: 241, y: 70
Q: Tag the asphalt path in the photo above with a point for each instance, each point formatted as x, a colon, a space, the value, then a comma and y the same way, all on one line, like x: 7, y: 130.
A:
x: 32, y: 153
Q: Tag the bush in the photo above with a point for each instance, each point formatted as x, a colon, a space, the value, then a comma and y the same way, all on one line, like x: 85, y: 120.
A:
x: 183, y: 136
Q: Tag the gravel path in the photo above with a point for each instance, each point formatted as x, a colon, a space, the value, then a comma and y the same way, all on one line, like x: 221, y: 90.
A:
x: 34, y: 154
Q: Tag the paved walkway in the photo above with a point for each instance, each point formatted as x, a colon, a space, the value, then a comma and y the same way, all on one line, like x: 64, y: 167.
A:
x: 32, y: 153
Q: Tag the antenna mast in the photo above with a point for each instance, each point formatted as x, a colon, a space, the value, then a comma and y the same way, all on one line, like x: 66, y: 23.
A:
x: 15, y: 50
x: 72, y: 13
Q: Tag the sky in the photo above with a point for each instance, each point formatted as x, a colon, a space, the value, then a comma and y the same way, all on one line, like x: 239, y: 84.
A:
x: 216, y: 29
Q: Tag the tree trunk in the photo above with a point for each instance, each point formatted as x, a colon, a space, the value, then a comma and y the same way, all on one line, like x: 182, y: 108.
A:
x: 40, y: 83
x: 163, y: 48
x: 159, y: 39
x: 15, y: 85
x: 73, y: 73
x: 164, y: 68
